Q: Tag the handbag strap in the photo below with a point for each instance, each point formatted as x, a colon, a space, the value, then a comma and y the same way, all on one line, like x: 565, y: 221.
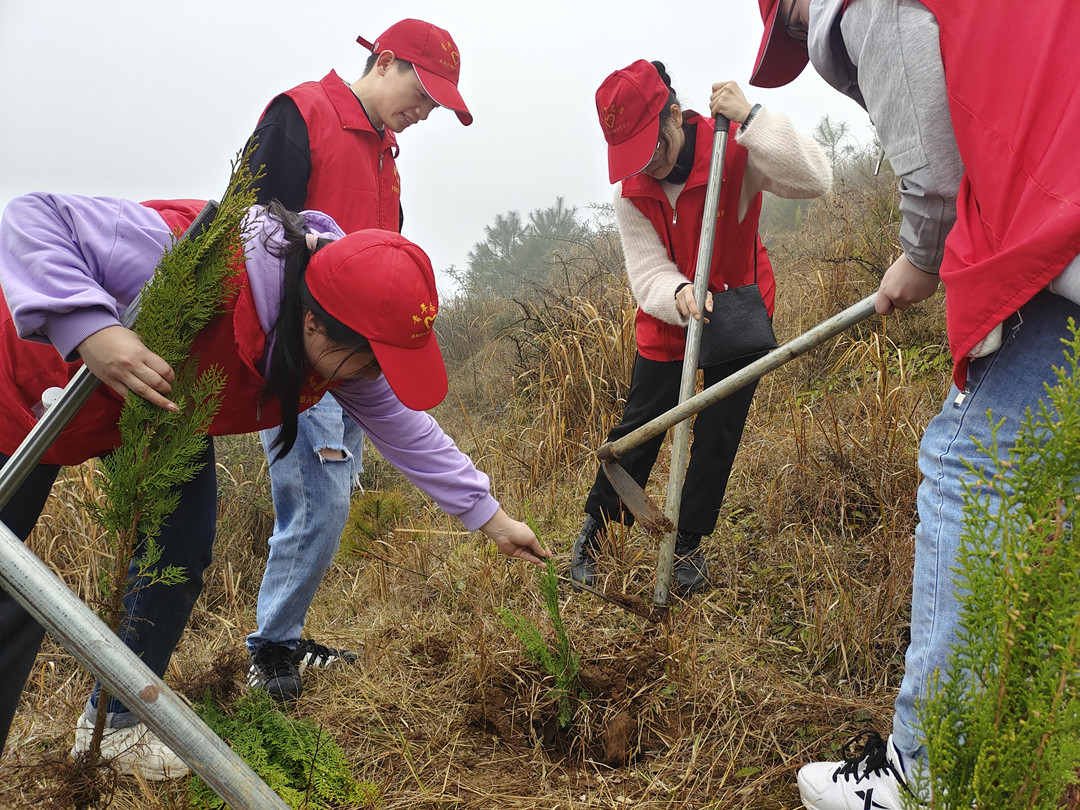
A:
x: 757, y: 244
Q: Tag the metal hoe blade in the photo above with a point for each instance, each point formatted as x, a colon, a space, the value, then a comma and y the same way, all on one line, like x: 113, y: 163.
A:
x: 634, y: 498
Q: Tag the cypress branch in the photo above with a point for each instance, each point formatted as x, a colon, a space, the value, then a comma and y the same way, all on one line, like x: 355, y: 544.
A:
x: 299, y: 760
x: 1003, y: 731
x: 159, y: 449
x: 562, y: 664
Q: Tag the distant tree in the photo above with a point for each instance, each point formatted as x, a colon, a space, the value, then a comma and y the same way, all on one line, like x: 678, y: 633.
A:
x: 549, y: 229
x: 491, y: 262
x: 833, y: 138
x: 505, y: 237
x: 515, y: 253
x: 556, y: 222
x: 779, y: 215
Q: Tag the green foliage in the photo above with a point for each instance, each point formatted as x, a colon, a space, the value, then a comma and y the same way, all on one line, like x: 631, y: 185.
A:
x: 159, y: 447
x: 372, y: 519
x: 926, y: 360
x: 515, y: 253
x: 298, y: 760
x: 779, y: 215
x: 562, y: 663
x: 1004, y: 730
x: 833, y: 137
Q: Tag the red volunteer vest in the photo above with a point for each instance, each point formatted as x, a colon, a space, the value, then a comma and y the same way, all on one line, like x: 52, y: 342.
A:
x: 736, y: 244
x: 353, y: 175
x: 1012, y: 75
x: 234, y: 342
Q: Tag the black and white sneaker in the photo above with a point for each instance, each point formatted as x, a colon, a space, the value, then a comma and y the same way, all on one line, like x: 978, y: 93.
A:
x: 871, y: 780
x: 309, y: 653
x: 273, y: 669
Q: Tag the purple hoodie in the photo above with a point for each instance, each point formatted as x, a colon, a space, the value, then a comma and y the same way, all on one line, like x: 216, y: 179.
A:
x: 70, y: 265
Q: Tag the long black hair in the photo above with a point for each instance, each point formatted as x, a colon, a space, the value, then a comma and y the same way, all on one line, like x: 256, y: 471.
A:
x: 287, y: 362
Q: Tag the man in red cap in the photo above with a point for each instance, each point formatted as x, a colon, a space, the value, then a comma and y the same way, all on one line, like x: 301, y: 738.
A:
x: 331, y: 146
x: 974, y: 106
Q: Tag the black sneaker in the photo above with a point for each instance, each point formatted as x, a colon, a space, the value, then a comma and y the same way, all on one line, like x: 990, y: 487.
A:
x: 691, y: 573
x: 273, y: 669
x: 309, y: 653
x: 586, y: 550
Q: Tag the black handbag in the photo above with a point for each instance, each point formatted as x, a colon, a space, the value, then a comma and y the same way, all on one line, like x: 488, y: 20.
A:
x: 739, y: 326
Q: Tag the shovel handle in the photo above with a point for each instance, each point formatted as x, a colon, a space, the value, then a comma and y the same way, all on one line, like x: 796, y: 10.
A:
x: 854, y: 314
x: 680, y: 441
x: 706, y: 245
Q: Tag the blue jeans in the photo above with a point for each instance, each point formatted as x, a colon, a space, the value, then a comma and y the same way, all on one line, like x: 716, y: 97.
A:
x: 311, y: 505
x: 1006, y: 383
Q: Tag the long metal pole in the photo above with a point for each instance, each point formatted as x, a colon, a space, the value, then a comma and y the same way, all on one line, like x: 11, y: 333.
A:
x: 680, y: 442
x: 34, y: 586
x: 729, y: 385
x: 30, y: 582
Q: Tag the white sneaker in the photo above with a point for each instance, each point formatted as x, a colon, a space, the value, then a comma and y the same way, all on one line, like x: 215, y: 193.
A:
x: 872, y: 780
x: 135, y: 749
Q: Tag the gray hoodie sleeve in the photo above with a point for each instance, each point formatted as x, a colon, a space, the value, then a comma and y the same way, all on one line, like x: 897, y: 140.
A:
x: 894, y: 48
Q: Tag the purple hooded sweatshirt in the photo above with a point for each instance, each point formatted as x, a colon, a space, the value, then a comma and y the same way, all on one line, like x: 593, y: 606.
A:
x: 70, y: 265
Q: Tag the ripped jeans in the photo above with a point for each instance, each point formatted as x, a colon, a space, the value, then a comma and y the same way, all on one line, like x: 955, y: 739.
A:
x: 311, y: 505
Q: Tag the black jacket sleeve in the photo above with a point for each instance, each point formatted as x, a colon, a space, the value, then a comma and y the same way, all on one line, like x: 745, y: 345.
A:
x: 282, y: 149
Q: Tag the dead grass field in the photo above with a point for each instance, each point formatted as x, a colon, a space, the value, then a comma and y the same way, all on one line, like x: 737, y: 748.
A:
x: 798, y: 645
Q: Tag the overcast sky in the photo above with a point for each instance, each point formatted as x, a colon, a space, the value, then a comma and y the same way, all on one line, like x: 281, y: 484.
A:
x: 148, y: 99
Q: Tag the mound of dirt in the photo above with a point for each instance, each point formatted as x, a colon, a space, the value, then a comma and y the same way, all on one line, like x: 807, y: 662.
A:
x: 618, y: 691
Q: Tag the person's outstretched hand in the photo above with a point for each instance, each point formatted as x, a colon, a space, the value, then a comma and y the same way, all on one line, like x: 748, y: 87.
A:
x: 515, y: 539
x: 118, y: 357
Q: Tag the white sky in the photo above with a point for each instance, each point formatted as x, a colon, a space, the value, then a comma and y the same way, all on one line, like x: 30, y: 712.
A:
x: 149, y: 99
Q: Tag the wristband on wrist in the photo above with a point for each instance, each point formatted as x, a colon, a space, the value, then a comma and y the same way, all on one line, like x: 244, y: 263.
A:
x: 679, y: 288
x: 749, y: 117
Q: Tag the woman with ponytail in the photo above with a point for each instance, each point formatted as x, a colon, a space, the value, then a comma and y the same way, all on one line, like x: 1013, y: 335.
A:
x: 310, y: 310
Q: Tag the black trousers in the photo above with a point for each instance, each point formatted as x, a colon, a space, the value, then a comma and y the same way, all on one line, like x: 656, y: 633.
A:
x: 157, y: 615
x: 717, y: 430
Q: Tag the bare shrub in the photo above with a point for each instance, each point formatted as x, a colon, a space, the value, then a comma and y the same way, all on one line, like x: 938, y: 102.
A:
x: 554, y: 377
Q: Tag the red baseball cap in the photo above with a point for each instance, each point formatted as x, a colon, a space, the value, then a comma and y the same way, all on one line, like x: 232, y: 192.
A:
x: 780, y: 58
x: 434, y: 56
x: 629, y: 103
x: 382, y: 286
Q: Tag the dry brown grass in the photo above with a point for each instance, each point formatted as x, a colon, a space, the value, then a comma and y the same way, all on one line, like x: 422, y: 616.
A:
x: 798, y: 645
